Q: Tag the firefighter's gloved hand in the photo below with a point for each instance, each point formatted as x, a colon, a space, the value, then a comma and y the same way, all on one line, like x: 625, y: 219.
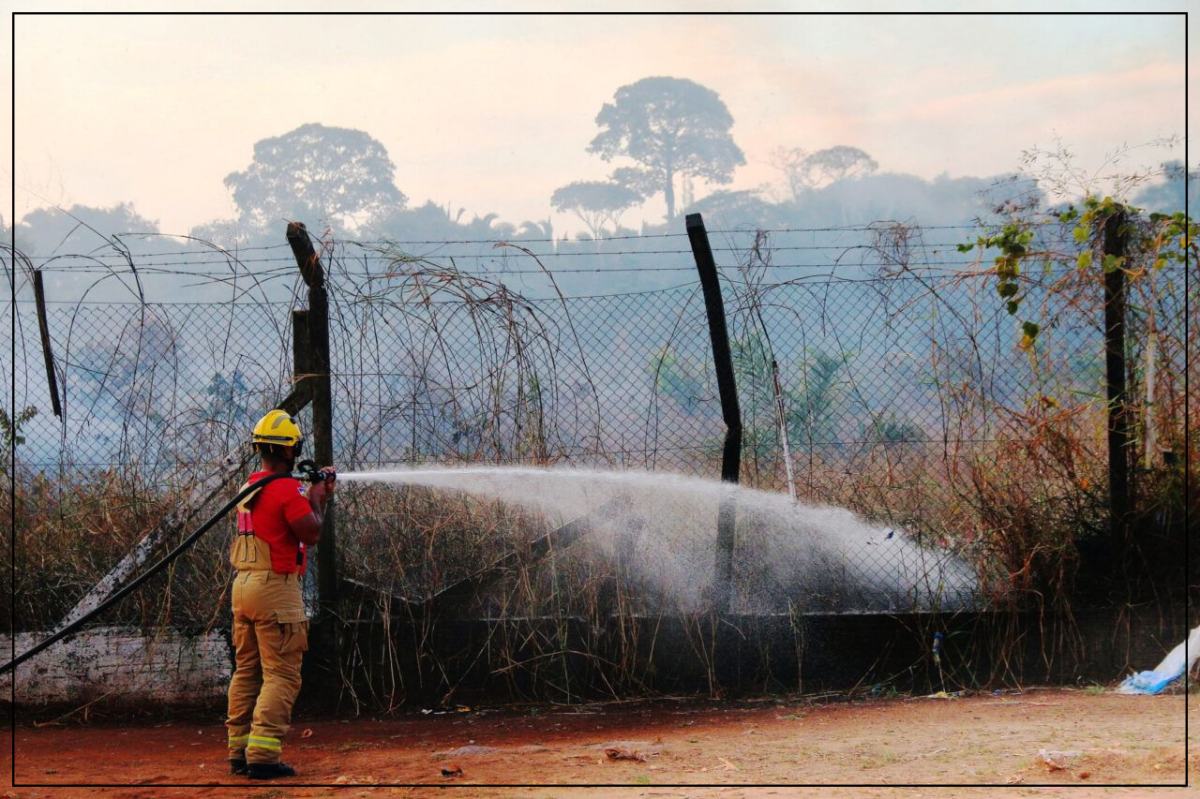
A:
x: 320, y: 491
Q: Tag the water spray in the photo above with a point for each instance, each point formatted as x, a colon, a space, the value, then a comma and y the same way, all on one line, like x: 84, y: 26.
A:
x: 827, y: 554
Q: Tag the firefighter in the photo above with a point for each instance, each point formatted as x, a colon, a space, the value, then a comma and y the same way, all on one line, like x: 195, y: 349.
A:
x: 275, y: 527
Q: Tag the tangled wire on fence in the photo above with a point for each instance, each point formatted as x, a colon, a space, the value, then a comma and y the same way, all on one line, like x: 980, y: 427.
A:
x: 893, y: 384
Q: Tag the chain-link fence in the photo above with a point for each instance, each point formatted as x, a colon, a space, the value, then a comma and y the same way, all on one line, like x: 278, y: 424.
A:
x: 880, y: 358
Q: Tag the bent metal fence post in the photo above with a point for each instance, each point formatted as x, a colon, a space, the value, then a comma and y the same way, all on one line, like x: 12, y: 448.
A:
x: 39, y: 294
x: 1119, y: 488
x: 727, y: 386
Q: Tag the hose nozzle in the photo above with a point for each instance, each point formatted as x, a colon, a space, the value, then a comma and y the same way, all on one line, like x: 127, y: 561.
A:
x: 310, y: 472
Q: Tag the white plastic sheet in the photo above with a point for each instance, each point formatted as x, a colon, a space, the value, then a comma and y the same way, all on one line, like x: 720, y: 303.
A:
x: 1179, y: 660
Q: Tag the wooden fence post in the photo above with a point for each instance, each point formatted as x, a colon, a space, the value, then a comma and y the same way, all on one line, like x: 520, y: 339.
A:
x: 316, y: 362
x: 727, y: 387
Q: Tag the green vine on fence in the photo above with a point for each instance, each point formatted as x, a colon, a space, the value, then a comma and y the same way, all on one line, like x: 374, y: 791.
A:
x: 10, y: 429
x: 1156, y: 241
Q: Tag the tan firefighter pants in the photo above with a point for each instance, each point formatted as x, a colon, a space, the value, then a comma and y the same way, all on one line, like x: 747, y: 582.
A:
x: 270, y: 636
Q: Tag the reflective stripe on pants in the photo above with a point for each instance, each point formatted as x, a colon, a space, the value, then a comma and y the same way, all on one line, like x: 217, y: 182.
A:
x: 270, y: 636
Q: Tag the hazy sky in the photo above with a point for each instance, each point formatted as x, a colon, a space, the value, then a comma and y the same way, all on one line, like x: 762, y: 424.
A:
x: 493, y: 113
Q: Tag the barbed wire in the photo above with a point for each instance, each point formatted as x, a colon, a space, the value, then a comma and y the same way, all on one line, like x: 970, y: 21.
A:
x: 231, y: 253
x: 945, y: 270
x: 510, y: 249
x: 393, y: 273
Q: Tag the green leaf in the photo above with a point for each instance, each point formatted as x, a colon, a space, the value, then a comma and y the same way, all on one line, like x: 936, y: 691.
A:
x: 1012, y: 306
x: 966, y: 247
x: 1030, y: 329
x: 1006, y: 289
x: 1081, y: 234
x: 1112, y: 263
x: 1084, y: 260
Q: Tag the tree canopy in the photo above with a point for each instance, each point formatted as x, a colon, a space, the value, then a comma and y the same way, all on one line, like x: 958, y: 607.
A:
x: 669, y: 126
x: 80, y: 228
x: 595, y: 202
x: 317, y: 175
x: 807, y: 171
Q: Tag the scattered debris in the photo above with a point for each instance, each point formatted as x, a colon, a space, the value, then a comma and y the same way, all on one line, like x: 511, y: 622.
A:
x: 346, y: 779
x: 620, y: 753
x: 474, y: 750
x: 1055, y: 760
x: 452, y: 771
x: 471, y: 750
x: 643, y: 745
x: 429, y: 711
x: 726, y: 764
x: 307, y: 733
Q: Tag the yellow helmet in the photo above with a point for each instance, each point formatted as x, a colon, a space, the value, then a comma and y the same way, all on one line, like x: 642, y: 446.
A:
x: 278, y: 427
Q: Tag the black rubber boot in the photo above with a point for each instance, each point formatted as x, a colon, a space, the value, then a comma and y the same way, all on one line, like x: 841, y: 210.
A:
x: 237, y: 766
x: 270, y: 771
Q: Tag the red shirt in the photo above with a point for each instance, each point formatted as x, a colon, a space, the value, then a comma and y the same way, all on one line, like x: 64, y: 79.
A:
x: 274, y: 508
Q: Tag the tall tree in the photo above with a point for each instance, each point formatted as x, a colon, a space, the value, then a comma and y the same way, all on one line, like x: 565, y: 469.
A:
x: 807, y: 171
x: 670, y: 126
x: 595, y: 202
x: 80, y: 229
x: 319, y: 175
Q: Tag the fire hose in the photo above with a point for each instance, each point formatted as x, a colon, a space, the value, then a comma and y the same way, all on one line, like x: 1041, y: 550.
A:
x: 308, y: 471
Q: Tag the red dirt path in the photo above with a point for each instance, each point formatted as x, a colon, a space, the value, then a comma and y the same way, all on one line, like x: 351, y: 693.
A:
x: 1096, y: 738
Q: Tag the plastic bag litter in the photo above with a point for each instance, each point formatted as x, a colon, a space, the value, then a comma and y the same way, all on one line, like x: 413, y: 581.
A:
x: 1056, y: 760
x: 1179, y: 660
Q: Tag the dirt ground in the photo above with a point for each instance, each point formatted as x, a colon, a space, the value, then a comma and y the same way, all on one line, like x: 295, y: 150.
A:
x: 1050, y: 737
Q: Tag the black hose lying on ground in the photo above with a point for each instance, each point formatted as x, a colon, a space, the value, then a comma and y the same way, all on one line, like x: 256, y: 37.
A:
x: 153, y: 570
